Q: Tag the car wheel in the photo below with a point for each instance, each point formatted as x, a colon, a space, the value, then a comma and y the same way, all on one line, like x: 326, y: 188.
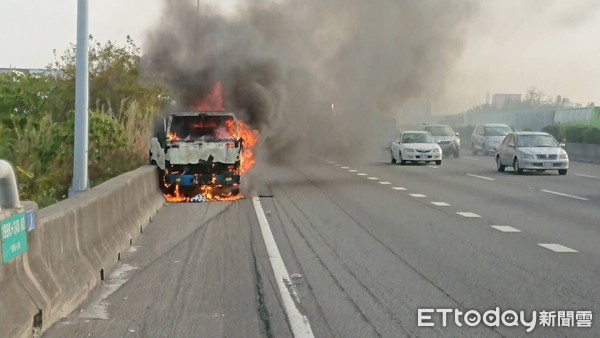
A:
x: 438, y: 162
x: 393, y: 160
x: 499, y: 166
x: 456, y: 153
x: 517, y: 169
x: 402, y: 162
x: 562, y: 171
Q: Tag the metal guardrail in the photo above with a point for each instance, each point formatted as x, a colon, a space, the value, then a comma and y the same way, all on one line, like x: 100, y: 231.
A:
x: 9, y: 194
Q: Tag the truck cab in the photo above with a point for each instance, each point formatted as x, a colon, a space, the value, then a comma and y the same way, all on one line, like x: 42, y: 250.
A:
x: 197, y: 149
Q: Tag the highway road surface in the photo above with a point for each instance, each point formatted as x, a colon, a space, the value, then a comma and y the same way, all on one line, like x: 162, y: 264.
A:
x: 369, y: 244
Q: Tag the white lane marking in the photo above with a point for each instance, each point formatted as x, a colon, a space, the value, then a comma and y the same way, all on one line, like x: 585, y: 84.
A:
x: 589, y: 176
x: 432, y: 166
x: 482, y: 177
x: 361, y: 174
x: 384, y: 183
x: 441, y: 204
x: 331, y: 162
x: 352, y: 170
x: 556, y: 247
x: 299, y: 323
x: 373, y: 178
x: 398, y: 188
x: 471, y: 158
x: 565, y: 195
x: 418, y: 195
x: 468, y: 214
x: 505, y: 228
x: 345, y: 167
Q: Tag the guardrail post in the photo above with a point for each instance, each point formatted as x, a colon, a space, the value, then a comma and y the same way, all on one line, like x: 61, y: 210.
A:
x: 9, y: 194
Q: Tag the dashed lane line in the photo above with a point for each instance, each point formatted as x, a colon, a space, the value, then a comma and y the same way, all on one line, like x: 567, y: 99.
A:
x: 482, y: 177
x: 418, y: 195
x: 373, y: 178
x: 565, y: 195
x: 362, y: 174
x: 385, y: 183
x: 468, y: 214
x: 345, y: 167
x: 588, y: 176
x: 440, y: 204
x: 556, y: 247
x: 352, y: 170
x: 399, y: 188
x: 505, y: 228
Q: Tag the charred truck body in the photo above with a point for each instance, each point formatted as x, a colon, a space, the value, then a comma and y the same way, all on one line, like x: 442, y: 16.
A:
x: 195, y: 150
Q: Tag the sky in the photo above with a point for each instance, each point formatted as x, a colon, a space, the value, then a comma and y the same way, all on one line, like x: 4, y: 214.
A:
x: 510, y: 45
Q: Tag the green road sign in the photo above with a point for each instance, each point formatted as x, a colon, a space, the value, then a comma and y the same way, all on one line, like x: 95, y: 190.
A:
x: 14, y: 236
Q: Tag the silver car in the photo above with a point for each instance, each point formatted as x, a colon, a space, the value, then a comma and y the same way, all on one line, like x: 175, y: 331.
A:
x: 487, y: 137
x: 529, y: 150
x: 446, y: 138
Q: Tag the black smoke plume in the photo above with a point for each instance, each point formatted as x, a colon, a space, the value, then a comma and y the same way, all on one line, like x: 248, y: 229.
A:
x: 310, y: 75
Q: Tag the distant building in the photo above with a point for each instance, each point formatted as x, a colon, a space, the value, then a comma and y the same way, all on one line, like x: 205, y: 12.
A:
x: 504, y: 101
x: 34, y: 71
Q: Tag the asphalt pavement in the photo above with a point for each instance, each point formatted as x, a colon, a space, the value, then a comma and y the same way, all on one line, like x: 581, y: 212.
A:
x: 369, y: 244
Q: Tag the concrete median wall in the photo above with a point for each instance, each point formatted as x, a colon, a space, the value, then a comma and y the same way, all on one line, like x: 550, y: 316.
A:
x: 589, y: 153
x: 75, y: 242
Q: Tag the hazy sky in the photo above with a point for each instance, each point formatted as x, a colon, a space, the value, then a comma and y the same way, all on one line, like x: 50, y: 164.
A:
x: 511, y: 44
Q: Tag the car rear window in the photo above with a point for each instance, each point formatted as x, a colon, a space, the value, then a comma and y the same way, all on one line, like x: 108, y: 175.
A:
x: 497, y: 131
x: 439, y: 130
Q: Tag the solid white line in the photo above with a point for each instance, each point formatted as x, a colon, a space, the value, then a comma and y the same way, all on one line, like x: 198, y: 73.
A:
x: 384, y: 183
x: 352, y: 170
x: 361, y: 174
x: 345, y: 167
x: 441, y: 204
x: 468, y: 214
x: 398, y: 188
x: 590, y: 176
x: 299, y: 323
x: 418, y: 195
x: 565, y: 195
x: 556, y: 247
x: 373, y: 178
x: 505, y: 228
x: 471, y: 158
x: 482, y: 177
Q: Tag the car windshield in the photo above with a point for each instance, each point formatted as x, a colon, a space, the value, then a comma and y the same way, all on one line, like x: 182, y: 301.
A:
x: 536, y: 141
x: 497, y: 131
x: 202, y: 128
x: 417, y: 138
x: 439, y: 130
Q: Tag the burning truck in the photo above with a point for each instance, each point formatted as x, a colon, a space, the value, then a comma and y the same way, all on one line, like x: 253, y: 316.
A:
x: 199, y: 156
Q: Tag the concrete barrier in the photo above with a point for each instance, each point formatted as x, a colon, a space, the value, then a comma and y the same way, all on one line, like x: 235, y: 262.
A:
x: 75, y: 244
x: 589, y: 153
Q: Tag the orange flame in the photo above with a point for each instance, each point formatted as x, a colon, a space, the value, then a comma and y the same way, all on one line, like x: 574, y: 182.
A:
x: 209, y: 193
x: 251, y: 139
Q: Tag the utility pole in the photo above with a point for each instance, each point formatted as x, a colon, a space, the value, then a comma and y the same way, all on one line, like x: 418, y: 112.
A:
x: 80, y: 161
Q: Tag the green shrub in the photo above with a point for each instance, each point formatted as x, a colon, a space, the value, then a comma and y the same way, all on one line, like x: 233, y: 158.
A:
x: 574, y: 133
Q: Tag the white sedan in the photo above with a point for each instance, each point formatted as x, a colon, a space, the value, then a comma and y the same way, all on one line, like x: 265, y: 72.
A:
x: 415, y: 146
x: 529, y: 150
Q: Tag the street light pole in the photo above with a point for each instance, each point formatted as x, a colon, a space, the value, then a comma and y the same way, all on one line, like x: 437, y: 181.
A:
x: 80, y: 160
